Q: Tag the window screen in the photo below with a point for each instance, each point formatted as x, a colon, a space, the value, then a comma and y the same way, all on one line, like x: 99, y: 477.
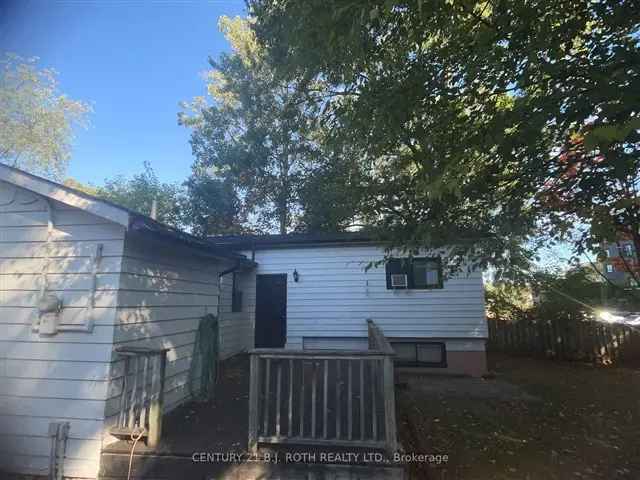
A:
x: 406, y: 352
x: 430, y: 353
x: 420, y: 354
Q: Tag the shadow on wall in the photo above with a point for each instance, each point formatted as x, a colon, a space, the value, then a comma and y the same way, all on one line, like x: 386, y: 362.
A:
x: 75, y: 376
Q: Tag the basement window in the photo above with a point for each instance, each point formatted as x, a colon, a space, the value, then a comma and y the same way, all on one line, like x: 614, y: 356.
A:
x: 414, y: 274
x: 415, y: 353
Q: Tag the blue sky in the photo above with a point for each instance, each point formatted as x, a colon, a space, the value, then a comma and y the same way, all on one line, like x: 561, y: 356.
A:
x: 134, y: 61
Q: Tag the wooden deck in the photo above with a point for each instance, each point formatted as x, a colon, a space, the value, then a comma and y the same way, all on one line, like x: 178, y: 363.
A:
x: 209, y: 441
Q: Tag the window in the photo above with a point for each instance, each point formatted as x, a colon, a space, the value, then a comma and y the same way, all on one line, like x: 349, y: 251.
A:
x: 609, y: 268
x: 420, y: 354
x: 426, y: 273
x: 420, y: 273
x: 628, y: 250
x: 236, y: 296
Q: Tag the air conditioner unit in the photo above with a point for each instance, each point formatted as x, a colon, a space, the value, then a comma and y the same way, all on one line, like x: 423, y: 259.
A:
x: 399, y: 281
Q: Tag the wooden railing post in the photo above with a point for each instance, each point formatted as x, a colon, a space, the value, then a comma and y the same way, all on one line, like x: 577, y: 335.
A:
x: 389, y: 405
x: 378, y: 341
x: 157, y: 402
x: 122, y: 418
x: 254, y: 387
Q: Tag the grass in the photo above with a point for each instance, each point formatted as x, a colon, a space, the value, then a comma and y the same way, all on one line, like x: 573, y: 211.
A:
x: 537, y: 419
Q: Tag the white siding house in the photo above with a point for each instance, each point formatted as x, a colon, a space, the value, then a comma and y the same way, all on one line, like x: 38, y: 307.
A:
x: 61, y: 377
x: 122, y: 279
x: 81, y: 277
x: 236, y: 328
x: 335, y: 293
x: 164, y: 291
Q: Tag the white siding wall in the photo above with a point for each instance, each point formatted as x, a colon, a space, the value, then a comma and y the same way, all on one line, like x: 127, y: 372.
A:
x: 63, y: 377
x: 236, y: 328
x: 148, y: 294
x: 335, y: 296
x: 164, y: 292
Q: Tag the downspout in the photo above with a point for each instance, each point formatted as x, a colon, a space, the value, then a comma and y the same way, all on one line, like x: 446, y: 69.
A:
x: 58, y: 433
x: 220, y: 275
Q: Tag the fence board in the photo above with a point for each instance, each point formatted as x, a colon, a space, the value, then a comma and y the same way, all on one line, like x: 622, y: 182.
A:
x: 566, y: 340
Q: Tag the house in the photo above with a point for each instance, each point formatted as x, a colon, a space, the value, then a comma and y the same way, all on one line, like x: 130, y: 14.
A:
x: 316, y: 291
x: 619, y: 258
x: 82, y: 281
x: 110, y: 278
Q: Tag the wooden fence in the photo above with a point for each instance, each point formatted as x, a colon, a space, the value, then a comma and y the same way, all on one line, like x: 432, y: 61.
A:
x: 141, y: 397
x: 333, y: 398
x: 566, y: 340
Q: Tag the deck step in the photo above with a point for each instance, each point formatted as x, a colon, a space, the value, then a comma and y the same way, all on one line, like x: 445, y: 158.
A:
x: 114, y: 466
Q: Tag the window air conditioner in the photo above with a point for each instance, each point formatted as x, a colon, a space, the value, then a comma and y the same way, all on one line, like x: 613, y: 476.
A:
x: 399, y: 281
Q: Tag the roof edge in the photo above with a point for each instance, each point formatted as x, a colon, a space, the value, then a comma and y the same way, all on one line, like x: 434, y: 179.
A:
x: 129, y: 219
x: 146, y: 225
x: 291, y: 240
x: 64, y: 194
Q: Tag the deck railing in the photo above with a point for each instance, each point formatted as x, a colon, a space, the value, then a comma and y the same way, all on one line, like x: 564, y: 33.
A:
x: 377, y: 340
x: 141, y: 397
x: 317, y: 397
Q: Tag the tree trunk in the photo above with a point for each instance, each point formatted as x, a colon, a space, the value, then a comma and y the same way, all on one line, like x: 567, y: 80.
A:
x: 283, y: 207
x: 283, y: 218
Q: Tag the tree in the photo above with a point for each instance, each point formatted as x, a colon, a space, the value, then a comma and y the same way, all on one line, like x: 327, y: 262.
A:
x: 508, y: 302
x: 140, y: 191
x: 258, y: 132
x: 82, y: 187
x: 212, y: 207
x: 575, y: 294
x: 36, y: 120
x: 461, y: 110
x: 595, y: 181
x: 330, y: 198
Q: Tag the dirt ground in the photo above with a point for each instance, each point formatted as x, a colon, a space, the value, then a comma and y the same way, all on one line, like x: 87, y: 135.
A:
x: 534, y: 419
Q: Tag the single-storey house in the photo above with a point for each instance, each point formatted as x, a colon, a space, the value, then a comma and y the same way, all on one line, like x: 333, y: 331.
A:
x: 316, y: 291
x: 81, y: 277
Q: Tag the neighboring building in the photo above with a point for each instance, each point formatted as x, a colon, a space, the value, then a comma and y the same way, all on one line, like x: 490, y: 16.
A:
x: 121, y: 279
x: 617, y: 257
x: 316, y: 292
x: 80, y: 277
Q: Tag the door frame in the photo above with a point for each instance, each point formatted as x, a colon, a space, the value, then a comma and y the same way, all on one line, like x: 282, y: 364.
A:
x: 255, y: 327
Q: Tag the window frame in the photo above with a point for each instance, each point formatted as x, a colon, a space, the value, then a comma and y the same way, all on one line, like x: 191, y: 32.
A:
x: 416, y: 362
x: 404, y: 266
x: 236, y: 295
